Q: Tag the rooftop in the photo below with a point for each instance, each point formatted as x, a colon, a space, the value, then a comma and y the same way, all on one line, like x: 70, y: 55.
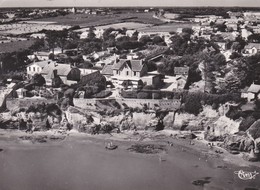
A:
x: 62, y: 69
x: 252, y: 45
x: 41, y: 64
x: 254, y: 88
x: 135, y: 65
x: 107, y: 70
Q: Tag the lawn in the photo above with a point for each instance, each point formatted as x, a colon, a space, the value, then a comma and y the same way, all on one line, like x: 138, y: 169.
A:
x: 16, y: 46
x: 85, y: 20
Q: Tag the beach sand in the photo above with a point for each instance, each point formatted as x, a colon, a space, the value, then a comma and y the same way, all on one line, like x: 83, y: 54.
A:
x: 79, y: 161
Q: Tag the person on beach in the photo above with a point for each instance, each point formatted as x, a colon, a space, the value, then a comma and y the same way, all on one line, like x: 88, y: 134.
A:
x: 29, y: 126
x: 22, y: 124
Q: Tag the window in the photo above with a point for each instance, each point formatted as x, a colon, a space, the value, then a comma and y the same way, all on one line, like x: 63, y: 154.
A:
x: 134, y: 73
x: 117, y: 72
x: 127, y: 72
x: 33, y: 68
x: 29, y: 68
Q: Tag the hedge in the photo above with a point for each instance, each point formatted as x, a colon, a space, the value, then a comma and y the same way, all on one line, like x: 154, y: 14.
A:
x: 102, y: 94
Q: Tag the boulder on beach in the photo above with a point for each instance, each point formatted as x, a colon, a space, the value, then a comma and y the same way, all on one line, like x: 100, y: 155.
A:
x: 238, y: 143
x: 218, y: 128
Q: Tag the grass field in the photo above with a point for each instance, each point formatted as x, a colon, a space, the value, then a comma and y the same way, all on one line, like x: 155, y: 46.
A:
x: 128, y: 25
x: 84, y: 20
x: 16, y: 46
x: 23, y: 28
x: 167, y: 27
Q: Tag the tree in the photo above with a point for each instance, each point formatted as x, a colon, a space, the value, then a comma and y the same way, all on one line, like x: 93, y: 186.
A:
x: 144, y: 95
x: 56, y: 38
x: 38, y: 80
x: 51, y: 39
x: 158, y: 40
x: 38, y: 44
x: 188, y: 31
x: 193, y: 104
x: 107, y: 33
x: 254, y: 38
x: 90, y: 46
x: 91, y: 34
x: 56, y: 82
x: 62, y: 38
x: 134, y: 37
x: 145, y: 39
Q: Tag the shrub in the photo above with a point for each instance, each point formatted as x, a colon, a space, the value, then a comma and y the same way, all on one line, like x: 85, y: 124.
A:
x: 193, y: 104
x: 156, y: 95
x: 102, y: 94
x: 246, y: 123
x: 144, y: 95
x: 129, y: 94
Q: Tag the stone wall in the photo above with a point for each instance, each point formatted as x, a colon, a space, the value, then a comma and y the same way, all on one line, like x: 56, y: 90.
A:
x: 16, y: 103
x: 172, y: 104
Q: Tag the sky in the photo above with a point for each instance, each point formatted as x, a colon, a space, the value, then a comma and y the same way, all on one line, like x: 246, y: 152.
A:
x: 127, y: 3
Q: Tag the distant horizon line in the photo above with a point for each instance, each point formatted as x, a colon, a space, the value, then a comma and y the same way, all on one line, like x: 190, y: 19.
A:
x: 237, y: 6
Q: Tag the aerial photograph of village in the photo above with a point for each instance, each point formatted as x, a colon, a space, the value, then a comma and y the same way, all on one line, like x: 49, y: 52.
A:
x: 141, y: 97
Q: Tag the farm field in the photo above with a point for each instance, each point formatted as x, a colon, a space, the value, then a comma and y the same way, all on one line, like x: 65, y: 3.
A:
x: 23, y: 27
x: 16, y: 46
x: 167, y: 27
x: 127, y: 25
x: 84, y: 20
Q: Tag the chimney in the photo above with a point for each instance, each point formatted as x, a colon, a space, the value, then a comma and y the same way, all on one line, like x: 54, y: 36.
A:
x: 55, y: 73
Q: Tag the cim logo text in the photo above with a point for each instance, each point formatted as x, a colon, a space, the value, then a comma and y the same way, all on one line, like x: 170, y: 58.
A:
x: 245, y: 175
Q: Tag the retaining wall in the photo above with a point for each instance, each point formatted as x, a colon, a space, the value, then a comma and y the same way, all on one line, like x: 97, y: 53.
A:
x: 171, y: 104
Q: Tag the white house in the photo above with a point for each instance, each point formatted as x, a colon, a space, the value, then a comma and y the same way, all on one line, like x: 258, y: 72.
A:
x: 252, y: 48
x: 84, y: 35
x: 41, y: 56
x: 252, y: 93
x: 221, y: 45
x: 38, y: 35
x: 35, y: 67
x: 130, y: 33
x: 99, y: 33
x: 245, y: 33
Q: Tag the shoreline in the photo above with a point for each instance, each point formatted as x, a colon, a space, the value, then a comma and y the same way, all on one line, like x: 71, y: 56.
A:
x: 169, y: 138
x: 65, y: 159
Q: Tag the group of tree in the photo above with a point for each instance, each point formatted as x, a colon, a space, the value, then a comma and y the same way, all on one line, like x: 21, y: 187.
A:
x: 182, y: 44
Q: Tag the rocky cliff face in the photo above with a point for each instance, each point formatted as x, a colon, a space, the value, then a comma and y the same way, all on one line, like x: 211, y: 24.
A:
x: 216, y: 129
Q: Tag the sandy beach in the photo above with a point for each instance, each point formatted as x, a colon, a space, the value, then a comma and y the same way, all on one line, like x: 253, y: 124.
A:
x: 79, y: 161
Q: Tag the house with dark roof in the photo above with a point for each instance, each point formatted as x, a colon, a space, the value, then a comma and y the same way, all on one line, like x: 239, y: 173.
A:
x: 131, y: 71
x: 67, y: 73
x: 129, y: 68
x: 107, y: 71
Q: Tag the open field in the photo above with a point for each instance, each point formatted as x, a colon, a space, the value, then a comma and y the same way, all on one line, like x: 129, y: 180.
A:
x: 127, y: 25
x: 168, y: 27
x: 23, y: 28
x: 10, y: 39
x: 84, y: 20
x: 16, y: 46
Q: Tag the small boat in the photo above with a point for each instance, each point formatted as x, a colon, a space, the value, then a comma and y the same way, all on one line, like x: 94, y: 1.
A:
x: 110, y: 146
